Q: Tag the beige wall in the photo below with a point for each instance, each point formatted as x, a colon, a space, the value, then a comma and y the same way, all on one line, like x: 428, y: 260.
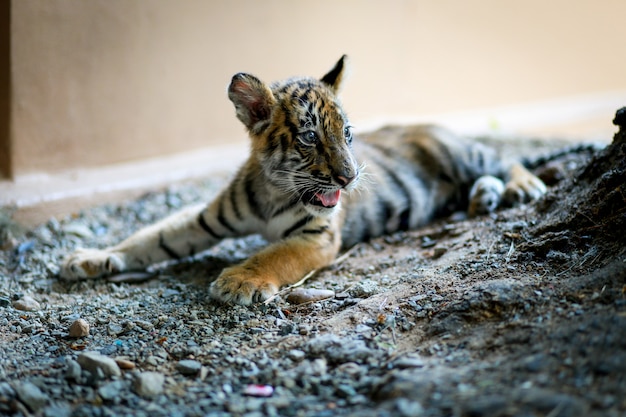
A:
x: 103, y: 81
x: 5, y: 89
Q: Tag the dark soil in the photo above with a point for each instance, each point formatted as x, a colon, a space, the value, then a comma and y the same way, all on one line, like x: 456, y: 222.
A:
x: 522, y: 313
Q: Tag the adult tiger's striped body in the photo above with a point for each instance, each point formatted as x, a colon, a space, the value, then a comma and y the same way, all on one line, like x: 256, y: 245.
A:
x: 297, y: 189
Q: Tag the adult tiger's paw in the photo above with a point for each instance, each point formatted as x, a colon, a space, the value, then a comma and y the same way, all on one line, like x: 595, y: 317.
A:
x: 242, y: 286
x: 90, y: 263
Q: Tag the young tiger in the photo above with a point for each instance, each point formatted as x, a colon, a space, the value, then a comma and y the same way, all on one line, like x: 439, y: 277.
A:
x: 311, y: 188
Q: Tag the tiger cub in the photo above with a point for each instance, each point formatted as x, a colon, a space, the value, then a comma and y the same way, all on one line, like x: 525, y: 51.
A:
x: 311, y: 188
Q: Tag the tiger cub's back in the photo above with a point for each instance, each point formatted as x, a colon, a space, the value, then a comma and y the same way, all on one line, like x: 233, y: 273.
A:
x: 412, y: 174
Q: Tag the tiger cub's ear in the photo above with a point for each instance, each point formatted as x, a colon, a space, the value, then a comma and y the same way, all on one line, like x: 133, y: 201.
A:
x: 335, y: 77
x: 253, y: 101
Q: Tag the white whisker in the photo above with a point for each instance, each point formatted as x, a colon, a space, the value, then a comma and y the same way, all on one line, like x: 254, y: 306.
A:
x: 365, y: 180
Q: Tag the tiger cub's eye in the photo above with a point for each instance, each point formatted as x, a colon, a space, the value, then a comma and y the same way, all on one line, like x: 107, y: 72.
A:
x: 347, y: 132
x: 308, y: 138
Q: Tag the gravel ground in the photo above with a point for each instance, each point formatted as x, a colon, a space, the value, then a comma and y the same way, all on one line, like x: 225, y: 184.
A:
x: 449, y: 320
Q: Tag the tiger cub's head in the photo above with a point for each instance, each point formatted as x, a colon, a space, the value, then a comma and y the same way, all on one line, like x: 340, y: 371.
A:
x: 300, y: 135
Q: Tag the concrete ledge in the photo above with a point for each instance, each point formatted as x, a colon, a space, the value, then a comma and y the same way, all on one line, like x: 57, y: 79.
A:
x: 36, y: 198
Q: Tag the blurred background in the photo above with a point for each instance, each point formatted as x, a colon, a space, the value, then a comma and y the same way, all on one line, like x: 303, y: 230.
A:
x: 103, y: 95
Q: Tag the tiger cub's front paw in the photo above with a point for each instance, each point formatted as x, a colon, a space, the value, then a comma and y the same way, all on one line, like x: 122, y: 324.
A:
x: 242, y: 286
x: 90, y: 263
x: 523, y: 188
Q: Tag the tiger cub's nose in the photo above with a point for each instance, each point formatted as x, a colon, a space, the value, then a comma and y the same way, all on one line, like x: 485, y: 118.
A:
x: 344, y: 181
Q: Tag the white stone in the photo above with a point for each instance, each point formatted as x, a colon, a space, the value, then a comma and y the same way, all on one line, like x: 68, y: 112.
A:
x: 148, y: 384
x: 26, y: 303
x: 308, y: 295
x: 92, y: 361
x: 31, y: 395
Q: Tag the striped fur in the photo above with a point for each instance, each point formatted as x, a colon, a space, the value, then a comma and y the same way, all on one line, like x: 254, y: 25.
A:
x: 310, y: 189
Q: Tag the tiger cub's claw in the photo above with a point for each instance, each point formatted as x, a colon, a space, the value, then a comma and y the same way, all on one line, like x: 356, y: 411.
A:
x: 241, y: 286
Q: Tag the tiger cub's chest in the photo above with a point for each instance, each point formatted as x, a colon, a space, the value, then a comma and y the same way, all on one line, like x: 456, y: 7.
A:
x: 296, y: 221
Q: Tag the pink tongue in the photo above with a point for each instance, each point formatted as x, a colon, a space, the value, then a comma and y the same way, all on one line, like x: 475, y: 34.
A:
x: 330, y: 199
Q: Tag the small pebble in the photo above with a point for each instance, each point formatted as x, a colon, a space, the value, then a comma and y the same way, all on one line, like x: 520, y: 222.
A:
x: 255, y: 390
x: 409, y: 408
x: 145, y: 325
x: 58, y: 409
x: 188, y: 367
x: 406, y: 362
x: 536, y: 363
x: 439, y: 251
x: 92, y: 361
x: 517, y: 226
x: 72, y: 372
x: 318, y: 367
x: 26, y: 303
x: 108, y: 350
x: 9, y: 243
x: 79, y: 230
x: 124, y: 363
x: 296, y: 355
x: 114, y: 329
x: 308, y: 295
x: 364, y: 289
x: 204, y: 372
x: 148, y: 384
x: 152, y: 360
x: 351, y: 368
x: 79, y: 328
x: 31, y: 395
x: 286, y: 328
x: 110, y: 391
x: 428, y: 242
x: 6, y: 390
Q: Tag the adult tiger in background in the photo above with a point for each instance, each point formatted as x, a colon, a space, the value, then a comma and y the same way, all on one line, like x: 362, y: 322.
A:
x: 310, y: 188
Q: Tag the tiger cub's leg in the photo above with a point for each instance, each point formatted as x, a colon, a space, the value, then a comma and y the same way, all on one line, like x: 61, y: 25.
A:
x: 282, y: 263
x: 182, y: 234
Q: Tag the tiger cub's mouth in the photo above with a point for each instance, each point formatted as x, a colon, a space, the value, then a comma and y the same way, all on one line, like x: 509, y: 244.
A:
x: 328, y: 200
